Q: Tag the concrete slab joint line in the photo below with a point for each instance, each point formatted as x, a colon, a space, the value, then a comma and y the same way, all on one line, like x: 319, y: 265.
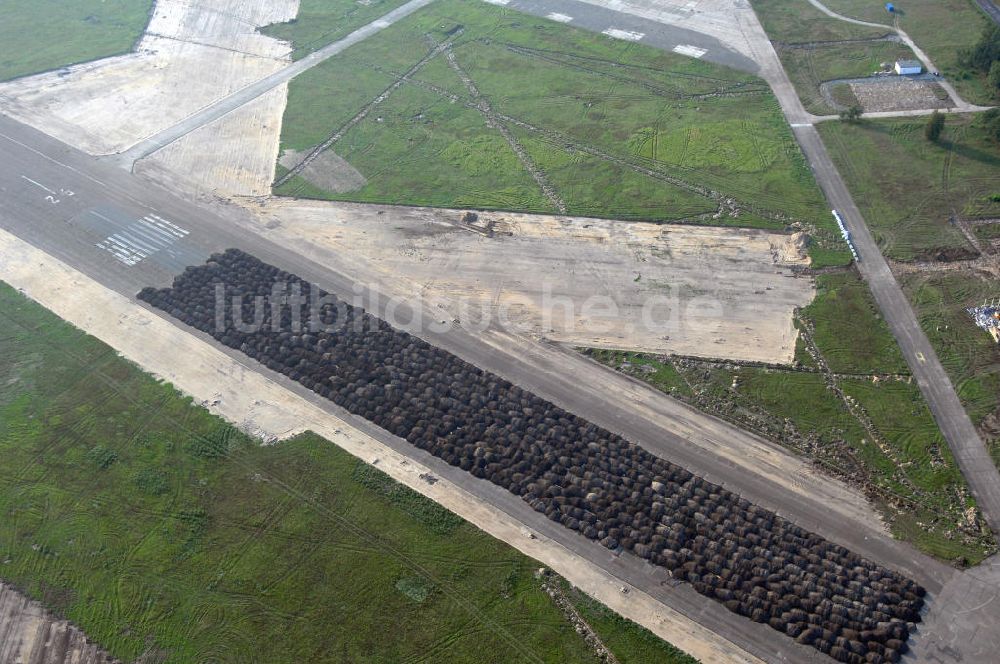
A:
x: 241, y: 97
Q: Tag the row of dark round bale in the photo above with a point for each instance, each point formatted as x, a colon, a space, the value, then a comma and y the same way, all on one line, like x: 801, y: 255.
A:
x: 756, y: 563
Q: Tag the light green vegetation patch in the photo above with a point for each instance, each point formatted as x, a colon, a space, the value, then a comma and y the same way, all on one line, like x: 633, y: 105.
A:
x: 968, y: 353
x: 40, y: 35
x: 810, y: 66
x: 849, y: 329
x: 158, y: 528
x: 631, y: 643
x: 798, y: 22
x: 941, y: 28
x: 322, y: 22
x: 863, y: 419
x: 615, y: 129
x: 908, y: 188
x: 815, y: 48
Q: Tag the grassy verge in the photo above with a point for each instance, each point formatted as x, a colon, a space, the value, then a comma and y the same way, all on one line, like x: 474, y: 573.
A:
x: 40, y: 35
x: 941, y: 28
x: 322, y: 22
x: 614, y: 128
x: 629, y: 642
x: 908, y: 188
x: 159, y: 529
x: 857, y: 415
x: 969, y: 354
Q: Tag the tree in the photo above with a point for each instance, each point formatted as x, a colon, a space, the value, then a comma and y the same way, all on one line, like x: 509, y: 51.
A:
x: 991, y: 122
x: 985, y: 52
x: 934, y: 127
x: 994, y: 77
x: 852, y: 114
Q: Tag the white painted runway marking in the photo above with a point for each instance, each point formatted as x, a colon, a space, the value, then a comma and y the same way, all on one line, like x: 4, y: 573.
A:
x: 692, y: 51
x: 502, y: 3
x: 141, y: 239
x: 561, y: 18
x: 38, y: 184
x: 624, y: 34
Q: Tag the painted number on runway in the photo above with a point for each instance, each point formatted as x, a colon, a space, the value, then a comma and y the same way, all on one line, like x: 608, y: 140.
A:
x: 53, y: 196
x: 141, y: 239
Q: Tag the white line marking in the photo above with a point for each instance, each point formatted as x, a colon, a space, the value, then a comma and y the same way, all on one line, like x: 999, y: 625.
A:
x: 157, y: 217
x: 692, y: 51
x: 561, y: 18
x: 129, y: 246
x: 149, y: 236
x: 155, y: 231
x: 624, y: 34
x: 137, y: 241
x: 501, y: 3
x: 38, y: 184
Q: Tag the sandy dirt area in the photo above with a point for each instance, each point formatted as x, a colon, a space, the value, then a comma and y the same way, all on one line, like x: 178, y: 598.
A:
x: 29, y: 634
x: 328, y: 171
x: 234, y: 155
x: 191, y: 55
x: 260, y: 406
x: 689, y: 290
x: 898, y: 93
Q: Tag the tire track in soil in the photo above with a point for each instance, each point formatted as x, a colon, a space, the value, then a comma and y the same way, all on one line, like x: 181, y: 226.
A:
x: 568, y: 143
x: 483, y: 105
x: 375, y: 541
x: 366, y: 109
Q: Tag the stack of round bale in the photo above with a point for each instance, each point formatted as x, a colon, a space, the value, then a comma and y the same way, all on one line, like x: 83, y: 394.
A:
x: 754, y: 562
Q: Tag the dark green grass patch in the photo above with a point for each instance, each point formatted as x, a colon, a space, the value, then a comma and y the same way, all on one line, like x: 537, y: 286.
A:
x: 39, y: 35
x: 322, y: 22
x: 153, y: 525
x: 849, y: 328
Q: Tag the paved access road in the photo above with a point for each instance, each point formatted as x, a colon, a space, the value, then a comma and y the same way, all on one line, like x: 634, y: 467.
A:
x: 991, y: 9
x: 967, y: 447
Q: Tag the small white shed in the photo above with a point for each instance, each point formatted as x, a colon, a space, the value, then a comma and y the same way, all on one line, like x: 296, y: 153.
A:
x: 908, y: 67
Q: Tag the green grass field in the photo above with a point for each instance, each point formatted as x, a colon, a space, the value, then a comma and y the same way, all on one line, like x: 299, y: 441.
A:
x: 905, y: 464
x: 969, y: 355
x: 157, y: 528
x: 615, y: 128
x: 810, y: 66
x: 39, y: 35
x: 941, y: 28
x: 322, y: 22
x: 908, y: 187
x: 815, y: 48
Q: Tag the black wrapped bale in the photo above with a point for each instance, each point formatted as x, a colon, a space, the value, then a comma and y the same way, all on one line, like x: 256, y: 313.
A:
x: 753, y: 561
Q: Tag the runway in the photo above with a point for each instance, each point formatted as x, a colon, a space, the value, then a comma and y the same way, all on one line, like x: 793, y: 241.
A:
x: 71, y: 205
